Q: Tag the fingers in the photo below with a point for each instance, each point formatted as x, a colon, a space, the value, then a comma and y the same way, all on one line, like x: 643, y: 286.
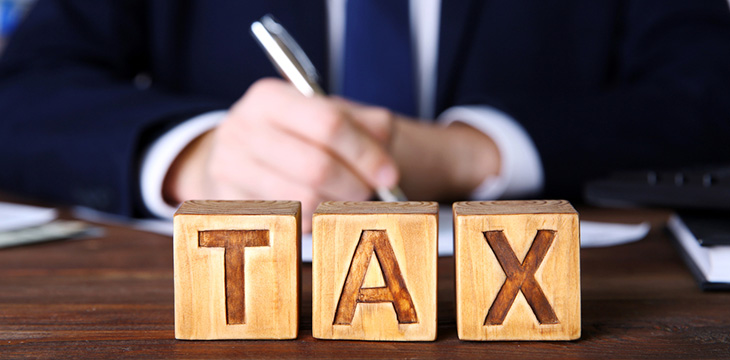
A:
x: 245, y: 179
x: 355, y: 136
x: 377, y: 121
x: 276, y: 144
x: 310, y: 166
x: 334, y: 131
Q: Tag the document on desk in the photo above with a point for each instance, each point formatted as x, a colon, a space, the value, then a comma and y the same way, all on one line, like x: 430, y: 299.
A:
x: 15, y: 216
x: 702, y: 241
x: 157, y: 226
x: 593, y: 234
x: 24, y: 224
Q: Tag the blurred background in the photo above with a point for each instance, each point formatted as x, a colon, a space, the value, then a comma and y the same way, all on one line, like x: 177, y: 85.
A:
x: 11, y: 13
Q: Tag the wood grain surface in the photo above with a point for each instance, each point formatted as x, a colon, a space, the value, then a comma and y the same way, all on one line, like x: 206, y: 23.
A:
x: 234, y: 244
x: 374, y: 245
x: 111, y: 297
x: 517, y: 270
x: 237, y: 270
x: 520, y: 278
x: 395, y: 242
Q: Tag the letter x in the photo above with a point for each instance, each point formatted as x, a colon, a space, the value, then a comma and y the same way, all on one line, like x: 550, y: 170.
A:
x: 520, y: 277
x: 234, y: 242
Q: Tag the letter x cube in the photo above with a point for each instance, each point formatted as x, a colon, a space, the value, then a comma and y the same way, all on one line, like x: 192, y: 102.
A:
x: 374, y: 271
x: 237, y: 269
x: 517, y: 270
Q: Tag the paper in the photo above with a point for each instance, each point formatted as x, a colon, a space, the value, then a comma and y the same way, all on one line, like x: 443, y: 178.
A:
x: 54, y: 230
x: 597, y: 234
x: 24, y: 224
x: 157, y: 226
x: 14, y: 216
x: 593, y: 234
x: 711, y: 261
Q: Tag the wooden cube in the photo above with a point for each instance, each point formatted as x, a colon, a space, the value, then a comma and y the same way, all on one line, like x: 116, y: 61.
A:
x: 237, y: 268
x: 517, y: 270
x: 374, y: 271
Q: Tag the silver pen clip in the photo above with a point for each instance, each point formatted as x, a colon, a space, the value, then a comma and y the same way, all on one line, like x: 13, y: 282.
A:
x: 294, y: 65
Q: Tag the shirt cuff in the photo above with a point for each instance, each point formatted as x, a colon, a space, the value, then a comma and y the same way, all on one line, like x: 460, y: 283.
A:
x: 521, y: 172
x: 158, y: 158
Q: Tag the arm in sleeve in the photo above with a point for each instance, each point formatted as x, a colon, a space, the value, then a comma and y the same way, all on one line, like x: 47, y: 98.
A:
x: 664, y: 101
x: 158, y: 158
x: 74, y: 123
x: 521, y: 171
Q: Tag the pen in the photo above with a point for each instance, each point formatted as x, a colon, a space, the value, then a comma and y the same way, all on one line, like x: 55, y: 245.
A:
x: 294, y: 65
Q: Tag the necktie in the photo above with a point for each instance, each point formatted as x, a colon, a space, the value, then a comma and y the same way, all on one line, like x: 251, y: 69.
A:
x: 378, y: 62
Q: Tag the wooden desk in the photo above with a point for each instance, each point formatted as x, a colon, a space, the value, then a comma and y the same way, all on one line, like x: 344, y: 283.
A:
x: 112, y: 297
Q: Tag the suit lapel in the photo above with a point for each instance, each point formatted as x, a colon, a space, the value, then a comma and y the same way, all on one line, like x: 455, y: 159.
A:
x: 458, y: 18
x: 309, y: 19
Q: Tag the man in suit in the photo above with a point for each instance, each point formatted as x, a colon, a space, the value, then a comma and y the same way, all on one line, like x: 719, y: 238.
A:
x: 528, y: 94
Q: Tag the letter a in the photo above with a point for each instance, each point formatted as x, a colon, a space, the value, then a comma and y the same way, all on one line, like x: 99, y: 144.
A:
x: 395, y: 290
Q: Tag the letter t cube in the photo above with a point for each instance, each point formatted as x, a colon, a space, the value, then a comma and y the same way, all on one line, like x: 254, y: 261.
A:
x: 237, y: 269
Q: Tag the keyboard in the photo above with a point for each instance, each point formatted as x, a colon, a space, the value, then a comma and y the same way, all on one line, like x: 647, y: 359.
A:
x: 704, y: 188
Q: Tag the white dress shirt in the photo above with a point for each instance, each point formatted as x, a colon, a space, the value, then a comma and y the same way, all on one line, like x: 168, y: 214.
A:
x: 521, y: 172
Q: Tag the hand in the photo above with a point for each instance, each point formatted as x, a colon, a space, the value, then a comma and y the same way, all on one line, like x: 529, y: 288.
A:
x: 436, y: 162
x: 276, y: 144
x: 444, y: 163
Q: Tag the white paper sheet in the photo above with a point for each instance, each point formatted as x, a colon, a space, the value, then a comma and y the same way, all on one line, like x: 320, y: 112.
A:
x: 15, y: 216
x: 157, y: 226
x: 593, y: 234
x: 598, y: 234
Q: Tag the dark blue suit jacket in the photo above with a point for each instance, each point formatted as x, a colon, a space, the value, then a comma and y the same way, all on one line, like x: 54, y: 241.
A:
x: 599, y: 84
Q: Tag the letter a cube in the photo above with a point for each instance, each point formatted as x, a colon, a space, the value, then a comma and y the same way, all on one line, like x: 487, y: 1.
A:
x: 237, y: 269
x: 374, y: 271
x: 517, y: 270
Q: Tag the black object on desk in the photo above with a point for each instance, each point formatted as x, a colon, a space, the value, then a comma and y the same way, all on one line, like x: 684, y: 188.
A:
x: 710, y: 228
x: 688, y: 188
x: 703, y: 240
x: 701, y: 230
